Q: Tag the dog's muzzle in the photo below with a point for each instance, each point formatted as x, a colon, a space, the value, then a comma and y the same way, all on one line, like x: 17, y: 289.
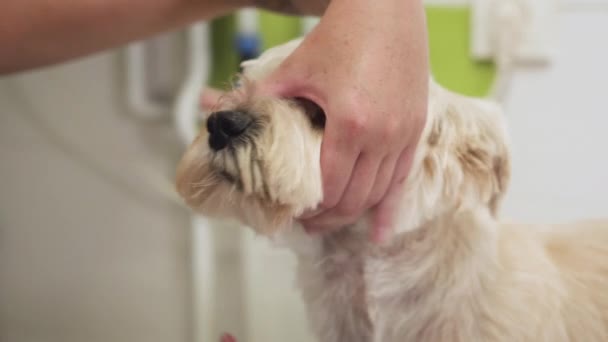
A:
x: 225, y: 126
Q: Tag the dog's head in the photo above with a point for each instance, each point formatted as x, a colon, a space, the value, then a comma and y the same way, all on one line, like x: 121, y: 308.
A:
x: 258, y: 158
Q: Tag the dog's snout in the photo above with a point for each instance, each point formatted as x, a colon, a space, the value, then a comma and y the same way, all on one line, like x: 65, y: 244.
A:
x: 226, y: 125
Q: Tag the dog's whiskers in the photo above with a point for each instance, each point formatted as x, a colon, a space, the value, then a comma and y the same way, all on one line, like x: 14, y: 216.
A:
x: 238, y: 177
x: 252, y: 158
x: 263, y: 178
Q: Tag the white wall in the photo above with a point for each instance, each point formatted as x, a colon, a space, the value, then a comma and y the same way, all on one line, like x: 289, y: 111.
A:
x: 558, y: 121
x: 89, y: 251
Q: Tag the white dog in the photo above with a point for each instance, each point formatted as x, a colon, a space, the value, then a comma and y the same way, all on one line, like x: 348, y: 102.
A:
x: 450, y: 272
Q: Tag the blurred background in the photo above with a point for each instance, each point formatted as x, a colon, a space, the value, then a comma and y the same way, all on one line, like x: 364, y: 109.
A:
x: 95, y: 246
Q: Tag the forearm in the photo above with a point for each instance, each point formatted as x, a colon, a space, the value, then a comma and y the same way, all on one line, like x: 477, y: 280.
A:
x: 35, y: 33
x: 371, y: 20
x: 40, y: 32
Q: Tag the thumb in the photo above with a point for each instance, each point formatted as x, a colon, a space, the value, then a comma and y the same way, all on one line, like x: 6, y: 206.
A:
x: 281, y: 82
x: 289, y: 76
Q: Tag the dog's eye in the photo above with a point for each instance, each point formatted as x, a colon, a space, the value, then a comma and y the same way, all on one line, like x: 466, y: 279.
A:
x: 314, y: 113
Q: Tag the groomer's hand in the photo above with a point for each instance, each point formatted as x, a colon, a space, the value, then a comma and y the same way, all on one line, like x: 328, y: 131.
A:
x: 366, y: 66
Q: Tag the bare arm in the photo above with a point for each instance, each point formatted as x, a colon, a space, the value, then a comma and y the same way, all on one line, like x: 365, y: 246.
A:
x: 35, y: 33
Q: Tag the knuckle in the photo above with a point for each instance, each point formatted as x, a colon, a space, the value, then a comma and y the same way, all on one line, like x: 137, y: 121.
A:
x: 355, y: 124
x: 353, y: 113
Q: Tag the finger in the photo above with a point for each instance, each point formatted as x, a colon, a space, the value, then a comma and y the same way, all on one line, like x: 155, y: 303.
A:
x: 326, y: 223
x: 338, y: 157
x: 383, y: 179
x: 320, y: 221
x: 385, y: 212
x: 285, y: 81
x: 353, y: 199
x: 360, y: 185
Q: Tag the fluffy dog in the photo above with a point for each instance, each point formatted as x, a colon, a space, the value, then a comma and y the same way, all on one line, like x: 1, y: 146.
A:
x: 450, y: 272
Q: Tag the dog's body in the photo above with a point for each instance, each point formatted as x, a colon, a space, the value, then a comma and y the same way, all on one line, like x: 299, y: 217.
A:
x: 450, y: 272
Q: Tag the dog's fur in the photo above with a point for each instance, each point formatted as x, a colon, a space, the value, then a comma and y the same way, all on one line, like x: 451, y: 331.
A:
x: 450, y: 272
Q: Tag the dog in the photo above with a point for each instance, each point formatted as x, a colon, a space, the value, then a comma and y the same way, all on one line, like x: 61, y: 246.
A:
x: 451, y: 271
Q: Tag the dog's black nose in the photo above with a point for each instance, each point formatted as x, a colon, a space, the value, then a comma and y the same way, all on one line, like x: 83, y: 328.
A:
x: 226, y: 125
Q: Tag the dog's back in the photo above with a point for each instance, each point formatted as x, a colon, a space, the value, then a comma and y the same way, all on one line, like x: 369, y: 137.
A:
x: 579, y: 251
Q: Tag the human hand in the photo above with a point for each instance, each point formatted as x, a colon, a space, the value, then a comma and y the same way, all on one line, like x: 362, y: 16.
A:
x: 366, y: 66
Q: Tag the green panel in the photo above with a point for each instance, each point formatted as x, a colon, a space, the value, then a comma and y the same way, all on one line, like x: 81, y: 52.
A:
x: 449, y: 40
x: 224, y: 58
x: 278, y: 29
x: 275, y: 29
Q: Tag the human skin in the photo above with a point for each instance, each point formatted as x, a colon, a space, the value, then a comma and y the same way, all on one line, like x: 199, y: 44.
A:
x: 365, y: 65
x: 36, y: 33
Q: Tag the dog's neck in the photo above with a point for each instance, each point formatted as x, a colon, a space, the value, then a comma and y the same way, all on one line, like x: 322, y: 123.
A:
x: 455, y: 235
x: 452, y: 258
x: 459, y: 236
x: 443, y: 265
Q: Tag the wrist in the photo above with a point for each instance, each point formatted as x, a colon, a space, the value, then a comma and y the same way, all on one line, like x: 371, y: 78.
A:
x: 293, y: 7
x: 380, y: 11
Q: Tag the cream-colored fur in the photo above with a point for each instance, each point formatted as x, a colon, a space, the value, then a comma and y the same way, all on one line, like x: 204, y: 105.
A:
x: 450, y: 272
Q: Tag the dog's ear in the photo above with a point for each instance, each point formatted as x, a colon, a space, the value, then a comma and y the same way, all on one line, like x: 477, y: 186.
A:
x: 467, y: 157
x: 502, y: 174
x: 485, y: 167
